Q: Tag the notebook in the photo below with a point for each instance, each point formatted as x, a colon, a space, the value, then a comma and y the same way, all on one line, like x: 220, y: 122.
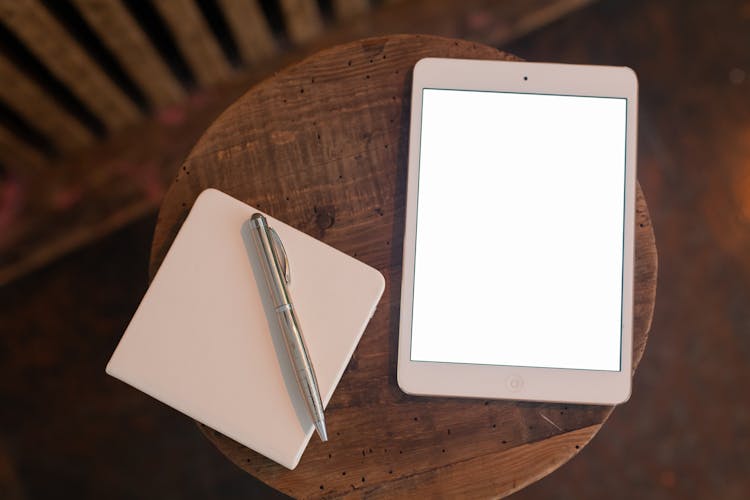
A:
x: 205, y: 339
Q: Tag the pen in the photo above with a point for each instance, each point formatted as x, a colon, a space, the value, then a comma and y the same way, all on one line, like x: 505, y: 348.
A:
x: 275, y: 266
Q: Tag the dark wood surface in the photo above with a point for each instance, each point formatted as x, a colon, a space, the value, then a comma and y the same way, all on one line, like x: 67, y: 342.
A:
x: 322, y: 146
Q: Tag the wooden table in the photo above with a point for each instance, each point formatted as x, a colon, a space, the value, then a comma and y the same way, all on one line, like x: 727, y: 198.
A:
x: 322, y: 146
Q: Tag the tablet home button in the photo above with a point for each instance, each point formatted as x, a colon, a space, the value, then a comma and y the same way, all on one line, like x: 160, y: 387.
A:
x: 515, y: 383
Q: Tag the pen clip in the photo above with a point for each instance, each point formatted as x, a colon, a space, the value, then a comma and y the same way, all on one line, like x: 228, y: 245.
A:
x: 280, y: 253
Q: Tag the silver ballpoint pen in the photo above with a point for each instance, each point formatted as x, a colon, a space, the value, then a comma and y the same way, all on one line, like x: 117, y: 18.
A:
x: 275, y: 266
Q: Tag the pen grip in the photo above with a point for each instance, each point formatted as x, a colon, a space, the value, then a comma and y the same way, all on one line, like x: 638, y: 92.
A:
x: 300, y: 359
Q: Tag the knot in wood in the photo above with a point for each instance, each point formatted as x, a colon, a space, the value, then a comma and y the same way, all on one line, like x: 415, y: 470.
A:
x: 325, y: 217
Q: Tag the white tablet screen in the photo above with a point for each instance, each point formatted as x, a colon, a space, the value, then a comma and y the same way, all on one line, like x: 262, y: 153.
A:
x: 520, y: 224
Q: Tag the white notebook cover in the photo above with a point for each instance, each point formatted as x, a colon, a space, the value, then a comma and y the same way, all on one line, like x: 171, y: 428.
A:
x: 205, y: 340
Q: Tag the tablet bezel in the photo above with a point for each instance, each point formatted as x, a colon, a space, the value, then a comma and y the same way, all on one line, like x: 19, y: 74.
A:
x: 515, y: 382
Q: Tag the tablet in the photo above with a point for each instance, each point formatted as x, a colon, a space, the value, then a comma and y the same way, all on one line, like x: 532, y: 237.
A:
x: 519, y: 238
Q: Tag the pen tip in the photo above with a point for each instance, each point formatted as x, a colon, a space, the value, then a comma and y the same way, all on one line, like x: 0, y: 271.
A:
x: 321, y: 428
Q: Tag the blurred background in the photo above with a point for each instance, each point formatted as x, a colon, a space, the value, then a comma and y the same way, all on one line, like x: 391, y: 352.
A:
x: 101, y: 99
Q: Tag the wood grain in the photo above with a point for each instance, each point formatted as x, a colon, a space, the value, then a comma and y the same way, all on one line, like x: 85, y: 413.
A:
x: 129, y: 44
x: 250, y: 29
x: 520, y: 466
x: 323, y: 146
x: 29, y: 100
x: 195, y: 39
x: 68, y: 61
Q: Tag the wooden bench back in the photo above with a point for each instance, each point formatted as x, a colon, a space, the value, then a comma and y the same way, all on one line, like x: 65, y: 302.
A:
x: 75, y: 71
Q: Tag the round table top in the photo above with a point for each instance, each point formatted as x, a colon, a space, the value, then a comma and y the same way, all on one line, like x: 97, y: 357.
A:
x: 323, y: 146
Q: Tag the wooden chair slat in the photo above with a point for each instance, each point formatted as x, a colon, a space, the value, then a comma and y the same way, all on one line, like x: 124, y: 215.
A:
x: 46, y: 38
x: 121, y: 34
x: 302, y: 19
x: 29, y: 100
x: 346, y: 9
x: 196, y: 42
x: 250, y: 29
